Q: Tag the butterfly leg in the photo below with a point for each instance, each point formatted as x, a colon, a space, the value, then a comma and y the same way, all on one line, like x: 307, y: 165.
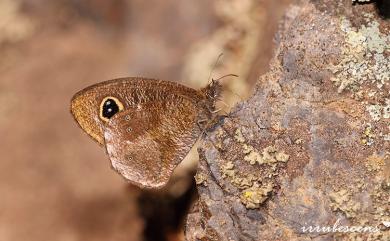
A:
x: 200, y: 124
x: 216, y: 111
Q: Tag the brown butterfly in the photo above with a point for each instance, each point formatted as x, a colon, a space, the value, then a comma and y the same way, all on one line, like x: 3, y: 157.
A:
x: 148, y: 126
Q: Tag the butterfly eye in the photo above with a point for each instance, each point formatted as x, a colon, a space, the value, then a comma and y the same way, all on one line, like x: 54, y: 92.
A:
x: 109, y: 107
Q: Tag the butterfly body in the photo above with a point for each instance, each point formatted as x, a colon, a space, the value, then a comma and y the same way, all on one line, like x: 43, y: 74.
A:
x: 147, y: 126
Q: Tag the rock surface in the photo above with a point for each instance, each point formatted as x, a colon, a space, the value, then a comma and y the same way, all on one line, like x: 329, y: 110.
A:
x: 311, y: 147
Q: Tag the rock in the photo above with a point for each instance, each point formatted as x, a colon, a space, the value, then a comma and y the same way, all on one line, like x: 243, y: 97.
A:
x: 311, y: 146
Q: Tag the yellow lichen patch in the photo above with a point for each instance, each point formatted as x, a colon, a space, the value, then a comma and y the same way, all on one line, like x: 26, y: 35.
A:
x: 219, y: 140
x: 219, y: 133
x: 368, y: 135
x: 254, y: 191
x: 269, y: 155
x: 254, y: 196
x: 282, y: 157
x: 200, y: 179
x: 247, y: 149
x: 238, y: 136
x: 252, y: 157
x: 227, y: 170
x: 241, y: 182
x: 244, y: 182
x: 342, y: 200
x: 298, y: 141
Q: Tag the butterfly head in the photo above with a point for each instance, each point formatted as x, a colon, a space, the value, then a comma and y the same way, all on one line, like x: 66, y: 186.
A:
x: 92, y: 110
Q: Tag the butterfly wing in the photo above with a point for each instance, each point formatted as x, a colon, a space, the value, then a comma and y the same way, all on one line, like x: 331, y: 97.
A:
x: 146, y: 143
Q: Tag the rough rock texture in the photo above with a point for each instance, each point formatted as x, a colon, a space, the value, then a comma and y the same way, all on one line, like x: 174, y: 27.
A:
x: 311, y: 146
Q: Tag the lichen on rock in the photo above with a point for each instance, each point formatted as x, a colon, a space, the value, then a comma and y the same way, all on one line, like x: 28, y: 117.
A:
x: 342, y: 200
x: 364, y: 66
x: 254, y: 196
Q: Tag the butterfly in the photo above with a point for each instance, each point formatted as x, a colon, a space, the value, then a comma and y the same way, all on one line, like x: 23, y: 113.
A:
x: 147, y: 126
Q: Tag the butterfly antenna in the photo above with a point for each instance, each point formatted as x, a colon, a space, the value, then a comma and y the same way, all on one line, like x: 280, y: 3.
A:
x: 226, y: 75
x: 214, y: 67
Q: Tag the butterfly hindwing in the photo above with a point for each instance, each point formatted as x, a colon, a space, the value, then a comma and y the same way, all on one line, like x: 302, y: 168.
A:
x: 147, y: 142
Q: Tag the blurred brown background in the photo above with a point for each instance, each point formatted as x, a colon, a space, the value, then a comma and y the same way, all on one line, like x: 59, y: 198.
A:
x: 55, y: 183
